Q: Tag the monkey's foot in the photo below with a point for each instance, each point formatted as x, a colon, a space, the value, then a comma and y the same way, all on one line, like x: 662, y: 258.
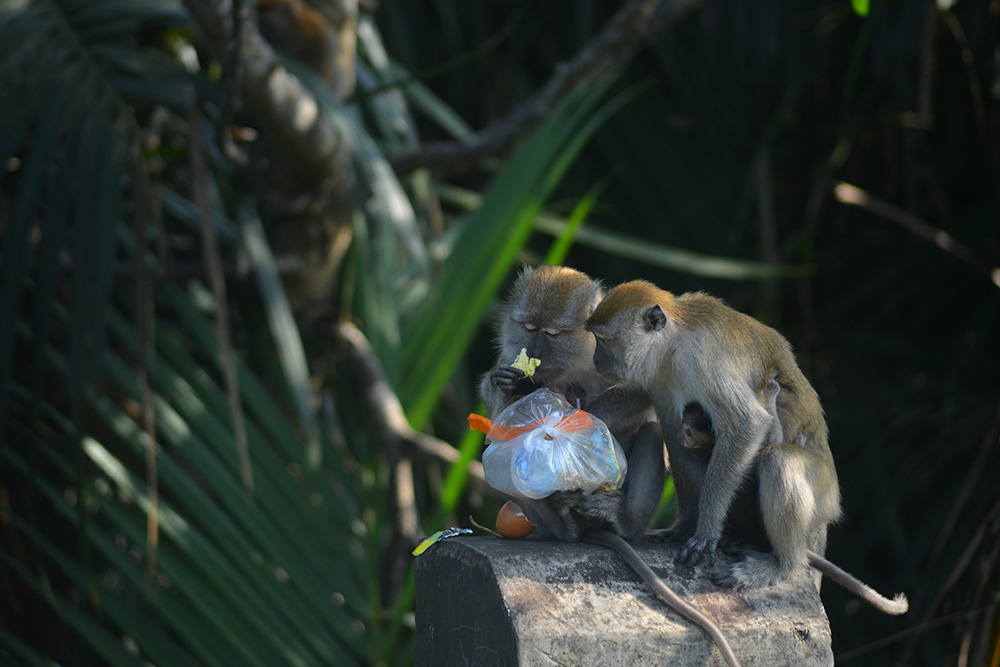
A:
x: 564, y: 526
x: 755, y: 570
x: 601, y: 504
x: 564, y: 502
x: 697, y: 550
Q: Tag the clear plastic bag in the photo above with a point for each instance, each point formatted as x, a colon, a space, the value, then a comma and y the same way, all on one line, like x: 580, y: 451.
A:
x: 541, y: 444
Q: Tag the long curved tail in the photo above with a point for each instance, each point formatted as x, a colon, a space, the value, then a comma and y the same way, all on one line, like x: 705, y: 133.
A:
x: 896, y: 606
x: 663, y: 591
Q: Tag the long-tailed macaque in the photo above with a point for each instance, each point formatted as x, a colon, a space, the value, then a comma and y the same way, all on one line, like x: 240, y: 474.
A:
x: 544, y: 314
x: 694, y: 349
x: 743, y: 524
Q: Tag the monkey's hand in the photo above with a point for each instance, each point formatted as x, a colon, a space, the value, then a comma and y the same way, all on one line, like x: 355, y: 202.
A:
x: 505, y: 378
x: 698, y: 549
x: 512, y: 381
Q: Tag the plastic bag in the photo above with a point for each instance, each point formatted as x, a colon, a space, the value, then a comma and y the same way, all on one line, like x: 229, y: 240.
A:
x: 541, y: 444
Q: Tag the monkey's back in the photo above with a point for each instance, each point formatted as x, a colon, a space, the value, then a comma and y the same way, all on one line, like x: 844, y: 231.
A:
x: 757, y: 350
x: 749, y: 343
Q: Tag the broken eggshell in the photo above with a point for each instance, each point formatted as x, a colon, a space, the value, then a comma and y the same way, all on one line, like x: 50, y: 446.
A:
x: 511, y: 522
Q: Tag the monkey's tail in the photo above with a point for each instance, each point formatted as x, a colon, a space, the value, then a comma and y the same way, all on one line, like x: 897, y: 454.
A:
x: 896, y: 606
x: 663, y: 591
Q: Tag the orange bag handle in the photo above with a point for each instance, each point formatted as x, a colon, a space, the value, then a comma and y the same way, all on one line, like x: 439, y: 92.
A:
x: 577, y: 420
x: 479, y: 423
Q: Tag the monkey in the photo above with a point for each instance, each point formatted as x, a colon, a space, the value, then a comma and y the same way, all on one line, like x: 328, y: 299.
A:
x: 744, y: 524
x: 696, y: 428
x: 693, y: 348
x: 545, y: 313
x: 696, y: 425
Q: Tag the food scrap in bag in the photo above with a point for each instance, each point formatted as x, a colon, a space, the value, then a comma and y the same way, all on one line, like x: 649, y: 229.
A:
x: 541, y: 444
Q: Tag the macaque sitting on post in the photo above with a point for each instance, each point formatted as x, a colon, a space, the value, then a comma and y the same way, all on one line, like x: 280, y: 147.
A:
x: 744, y: 527
x: 544, y: 315
x: 694, y: 349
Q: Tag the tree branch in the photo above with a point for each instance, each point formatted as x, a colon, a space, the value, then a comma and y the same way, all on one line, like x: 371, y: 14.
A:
x: 846, y: 193
x: 390, y: 419
x: 284, y: 107
x: 615, y: 45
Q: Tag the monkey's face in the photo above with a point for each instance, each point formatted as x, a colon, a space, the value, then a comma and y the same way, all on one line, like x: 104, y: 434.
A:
x: 609, y: 357
x: 545, y: 314
x: 696, y: 428
x: 629, y: 327
x: 691, y: 439
x: 621, y: 347
x: 561, y: 350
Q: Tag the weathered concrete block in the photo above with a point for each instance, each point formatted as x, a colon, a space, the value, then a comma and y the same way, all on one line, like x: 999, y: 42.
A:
x: 488, y: 601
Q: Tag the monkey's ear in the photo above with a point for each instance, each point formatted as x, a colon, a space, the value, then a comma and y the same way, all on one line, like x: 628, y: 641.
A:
x: 654, y: 319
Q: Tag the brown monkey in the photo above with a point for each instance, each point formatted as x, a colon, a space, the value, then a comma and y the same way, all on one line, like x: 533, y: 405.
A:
x: 696, y: 425
x: 744, y: 524
x: 695, y: 349
x: 545, y: 314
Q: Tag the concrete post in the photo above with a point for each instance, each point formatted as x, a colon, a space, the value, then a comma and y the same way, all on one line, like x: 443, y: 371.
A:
x: 489, y: 601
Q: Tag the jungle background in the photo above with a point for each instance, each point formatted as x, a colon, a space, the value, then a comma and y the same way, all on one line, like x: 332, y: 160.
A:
x: 251, y: 255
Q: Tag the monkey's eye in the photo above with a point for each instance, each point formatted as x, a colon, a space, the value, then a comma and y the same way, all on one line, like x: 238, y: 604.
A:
x: 529, y: 327
x: 552, y: 332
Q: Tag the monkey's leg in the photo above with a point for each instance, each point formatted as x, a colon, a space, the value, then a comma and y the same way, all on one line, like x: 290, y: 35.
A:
x: 688, y: 475
x: 687, y: 468
x: 547, y: 514
x: 629, y: 511
x: 788, y: 510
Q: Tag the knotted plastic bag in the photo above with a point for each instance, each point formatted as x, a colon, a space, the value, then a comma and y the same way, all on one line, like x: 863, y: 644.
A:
x: 541, y: 444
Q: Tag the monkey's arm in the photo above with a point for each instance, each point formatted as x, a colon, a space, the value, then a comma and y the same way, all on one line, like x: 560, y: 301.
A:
x: 741, y: 425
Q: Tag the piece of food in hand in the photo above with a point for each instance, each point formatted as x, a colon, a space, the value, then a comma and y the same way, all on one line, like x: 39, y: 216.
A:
x: 526, y: 364
x: 512, y: 523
